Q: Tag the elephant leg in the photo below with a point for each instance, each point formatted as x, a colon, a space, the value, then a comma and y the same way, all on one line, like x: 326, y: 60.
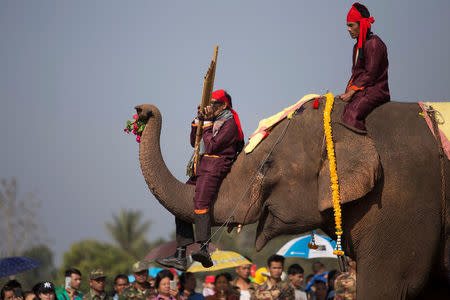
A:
x: 374, y: 282
x: 393, y: 268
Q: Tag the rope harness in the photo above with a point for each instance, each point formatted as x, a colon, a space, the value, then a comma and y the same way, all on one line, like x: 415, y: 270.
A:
x: 259, y: 171
x: 342, y: 260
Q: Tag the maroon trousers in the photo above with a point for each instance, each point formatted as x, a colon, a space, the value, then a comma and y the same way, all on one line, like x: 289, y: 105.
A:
x: 356, y: 111
x: 206, y: 188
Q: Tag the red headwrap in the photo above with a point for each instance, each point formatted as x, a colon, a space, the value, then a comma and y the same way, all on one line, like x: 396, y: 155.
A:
x: 364, y: 23
x: 219, y: 95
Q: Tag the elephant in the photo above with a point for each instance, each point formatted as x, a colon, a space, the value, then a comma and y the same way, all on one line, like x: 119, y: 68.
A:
x: 390, y: 186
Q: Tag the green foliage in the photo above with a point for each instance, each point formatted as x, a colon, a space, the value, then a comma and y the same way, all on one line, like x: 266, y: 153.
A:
x: 89, y: 254
x: 128, y: 231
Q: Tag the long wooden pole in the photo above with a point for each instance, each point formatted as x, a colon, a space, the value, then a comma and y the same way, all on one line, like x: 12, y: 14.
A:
x: 208, y: 85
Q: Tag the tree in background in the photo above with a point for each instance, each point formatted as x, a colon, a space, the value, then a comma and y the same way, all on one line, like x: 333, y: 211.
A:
x: 128, y: 230
x: 89, y: 254
x: 18, y: 227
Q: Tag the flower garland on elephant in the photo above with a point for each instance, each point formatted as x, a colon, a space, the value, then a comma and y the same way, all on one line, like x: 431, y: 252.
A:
x: 333, y: 172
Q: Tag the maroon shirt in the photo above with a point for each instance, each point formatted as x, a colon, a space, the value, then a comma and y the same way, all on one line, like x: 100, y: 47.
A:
x: 369, y: 80
x: 220, y: 150
x: 370, y: 72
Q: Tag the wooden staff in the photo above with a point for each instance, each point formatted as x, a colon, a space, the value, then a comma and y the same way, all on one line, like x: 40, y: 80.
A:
x: 208, y: 85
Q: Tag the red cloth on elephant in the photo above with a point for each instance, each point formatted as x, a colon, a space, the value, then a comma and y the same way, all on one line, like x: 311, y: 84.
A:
x: 220, y: 152
x: 370, y: 81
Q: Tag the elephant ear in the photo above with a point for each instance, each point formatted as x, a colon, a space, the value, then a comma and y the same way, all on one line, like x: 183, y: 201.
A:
x: 358, y: 166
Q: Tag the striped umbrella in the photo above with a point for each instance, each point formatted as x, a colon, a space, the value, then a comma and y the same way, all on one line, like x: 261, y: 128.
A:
x: 298, y: 247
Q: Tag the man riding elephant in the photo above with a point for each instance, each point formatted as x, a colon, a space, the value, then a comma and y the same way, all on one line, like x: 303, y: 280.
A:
x: 222, y: 140
x: 368, y: 86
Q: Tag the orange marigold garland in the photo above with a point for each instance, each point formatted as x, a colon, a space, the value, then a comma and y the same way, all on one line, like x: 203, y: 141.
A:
x: 333, y: 172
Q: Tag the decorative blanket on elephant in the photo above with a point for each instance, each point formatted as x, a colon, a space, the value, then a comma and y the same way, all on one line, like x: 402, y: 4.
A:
x: 267, y: 124
x: 443, y: 119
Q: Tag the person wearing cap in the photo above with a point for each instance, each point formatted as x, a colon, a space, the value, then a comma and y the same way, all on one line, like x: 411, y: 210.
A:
x: 208, y: 285
x: 221, y: 141
x: 368, y: 86
x: 140, y: 288
x: 97, y: 279
x: 46, y: 291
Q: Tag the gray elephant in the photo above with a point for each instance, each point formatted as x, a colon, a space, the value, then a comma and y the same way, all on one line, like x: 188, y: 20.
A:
x: 390, y: 185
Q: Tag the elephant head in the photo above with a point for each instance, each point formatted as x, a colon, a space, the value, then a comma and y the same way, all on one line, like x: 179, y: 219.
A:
x: 287, y: 192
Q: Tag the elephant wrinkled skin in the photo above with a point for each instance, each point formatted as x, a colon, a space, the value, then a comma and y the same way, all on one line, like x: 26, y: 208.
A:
x: 390, y: 184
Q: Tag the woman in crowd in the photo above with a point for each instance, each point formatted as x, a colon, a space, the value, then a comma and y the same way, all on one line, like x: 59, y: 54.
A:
x: 46, y: 291
x: 223, y: 288
x: 162, y: 283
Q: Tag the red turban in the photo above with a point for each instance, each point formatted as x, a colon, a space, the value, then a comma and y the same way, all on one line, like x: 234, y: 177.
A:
x: 219, y: 95
x: 364, y: 23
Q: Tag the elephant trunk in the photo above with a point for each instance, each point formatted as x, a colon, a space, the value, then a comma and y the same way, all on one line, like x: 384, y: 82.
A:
x: 174, y: 195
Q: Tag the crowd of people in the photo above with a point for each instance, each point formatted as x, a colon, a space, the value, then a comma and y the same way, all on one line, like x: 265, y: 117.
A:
x: 168, y: 284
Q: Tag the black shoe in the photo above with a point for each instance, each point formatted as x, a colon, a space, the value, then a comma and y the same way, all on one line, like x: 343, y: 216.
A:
x: 203, y: 256
x: 177, y: 261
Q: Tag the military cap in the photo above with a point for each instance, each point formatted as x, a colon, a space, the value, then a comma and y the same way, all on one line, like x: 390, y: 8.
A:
x: 96, y: 274
x: 139, y: 266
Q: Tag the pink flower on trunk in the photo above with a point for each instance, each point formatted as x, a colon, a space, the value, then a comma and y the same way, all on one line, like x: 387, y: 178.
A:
x: 134, y: 131
x: 135, y: 126
x: 136, y: 117
x: 138, y: 138
x: 126, y: 130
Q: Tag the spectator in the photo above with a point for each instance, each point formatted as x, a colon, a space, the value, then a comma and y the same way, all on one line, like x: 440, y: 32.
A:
x: 12, y: 290
x: 29, y: 295
x: 208, y: 286
x: 140, y: 289
x: 46, y: 291
x: 151, y: 280
x: 223, y: 288
x: 120, y: 284
x: 7, y: 292
x: 71, y: 292
x: 320, y: 290
x: 295, y: 274
x: 242, y: 283
x: 187, y: 287
x: 331, y: 278
x: 97, y: 280
x: 320, y: 273
x: 162, y: 283
x: 274, y: 288
x: 318, y: 268
x: 345, y: 283
x: 35, y: 288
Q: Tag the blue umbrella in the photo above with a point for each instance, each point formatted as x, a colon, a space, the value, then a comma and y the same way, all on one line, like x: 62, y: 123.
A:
x: 152, y: 272
x: 17, y: 264
x: 298, y: 247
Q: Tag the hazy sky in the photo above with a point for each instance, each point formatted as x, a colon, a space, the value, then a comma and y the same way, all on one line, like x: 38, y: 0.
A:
x: 72, y: 71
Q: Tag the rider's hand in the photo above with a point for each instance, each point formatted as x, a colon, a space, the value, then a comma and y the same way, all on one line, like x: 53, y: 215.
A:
x: 346, y: 97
